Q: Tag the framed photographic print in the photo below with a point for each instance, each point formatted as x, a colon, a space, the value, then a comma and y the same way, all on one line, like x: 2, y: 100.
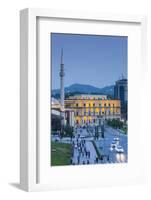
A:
x: 81, y: 81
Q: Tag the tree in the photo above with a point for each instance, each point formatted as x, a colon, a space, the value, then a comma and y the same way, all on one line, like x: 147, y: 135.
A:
x: 55, y: 123
x: 68, y: 131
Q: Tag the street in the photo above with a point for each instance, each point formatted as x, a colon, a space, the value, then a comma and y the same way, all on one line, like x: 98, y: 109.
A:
x: 86, y: 149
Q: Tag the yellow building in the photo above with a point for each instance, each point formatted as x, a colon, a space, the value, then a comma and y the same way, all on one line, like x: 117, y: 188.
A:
x: 89, y: 109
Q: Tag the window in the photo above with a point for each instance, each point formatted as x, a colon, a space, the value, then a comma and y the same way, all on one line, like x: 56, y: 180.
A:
x: 105, y: 105
x: 84, y: 104
x: 94, y: 105
x: 77, y: 113
x: 77, y: 104
x: 109, y: 104
x: 99, y: 104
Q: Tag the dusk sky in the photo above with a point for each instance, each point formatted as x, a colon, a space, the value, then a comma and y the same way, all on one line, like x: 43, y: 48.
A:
x: 88, y: 59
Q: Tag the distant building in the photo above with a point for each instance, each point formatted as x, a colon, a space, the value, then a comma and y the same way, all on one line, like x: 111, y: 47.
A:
x: 120, y: 92
x: 56, y: 116
x: 89, y: 109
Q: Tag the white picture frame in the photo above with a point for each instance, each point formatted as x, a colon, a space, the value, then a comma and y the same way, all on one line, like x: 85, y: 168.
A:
x: 29, y: 84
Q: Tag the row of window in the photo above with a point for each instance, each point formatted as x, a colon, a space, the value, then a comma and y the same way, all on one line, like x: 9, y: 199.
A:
x: 77, y: 105
x: 86, y: 121
x: 94, y: 113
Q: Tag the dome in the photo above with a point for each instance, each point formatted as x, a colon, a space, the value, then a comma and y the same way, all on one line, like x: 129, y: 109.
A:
x: 55, y: 103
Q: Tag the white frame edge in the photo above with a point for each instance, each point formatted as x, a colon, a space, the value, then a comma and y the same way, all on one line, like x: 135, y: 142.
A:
x: 28, y: 82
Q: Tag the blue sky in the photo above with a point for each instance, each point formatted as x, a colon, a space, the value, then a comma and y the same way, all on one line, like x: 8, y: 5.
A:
x: 89, y: 59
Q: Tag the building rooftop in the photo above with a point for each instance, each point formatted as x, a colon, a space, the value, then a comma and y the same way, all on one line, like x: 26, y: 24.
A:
x: 88, y: 96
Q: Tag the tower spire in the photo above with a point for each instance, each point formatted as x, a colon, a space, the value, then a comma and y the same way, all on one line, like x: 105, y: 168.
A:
x: 62, y: 56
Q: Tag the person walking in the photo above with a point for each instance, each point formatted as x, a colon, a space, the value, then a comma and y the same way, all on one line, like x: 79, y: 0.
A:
x: 97, y: 160
x: 78, y: 158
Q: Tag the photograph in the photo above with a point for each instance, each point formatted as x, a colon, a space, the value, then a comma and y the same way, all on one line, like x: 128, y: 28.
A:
x: 88, y: 99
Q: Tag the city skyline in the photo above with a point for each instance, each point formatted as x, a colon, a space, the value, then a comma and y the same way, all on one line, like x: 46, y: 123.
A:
x: 88, y: 56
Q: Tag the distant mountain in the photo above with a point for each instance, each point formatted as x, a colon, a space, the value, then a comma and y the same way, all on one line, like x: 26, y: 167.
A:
x: 84, y: 89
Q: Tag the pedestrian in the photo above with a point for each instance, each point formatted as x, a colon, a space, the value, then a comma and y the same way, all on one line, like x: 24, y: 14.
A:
x: 88, y: 162
x: 83, y: 162
x: 78, y: 158
x: 89, y: 154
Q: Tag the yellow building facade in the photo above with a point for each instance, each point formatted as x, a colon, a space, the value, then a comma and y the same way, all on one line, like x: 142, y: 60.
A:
x: 88, y: 109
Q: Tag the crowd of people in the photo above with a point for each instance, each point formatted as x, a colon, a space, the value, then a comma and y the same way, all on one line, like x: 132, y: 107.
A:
x: 80, y: 153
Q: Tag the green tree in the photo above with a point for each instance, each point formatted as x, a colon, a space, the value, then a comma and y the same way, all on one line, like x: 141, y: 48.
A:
x: 68, y: 131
